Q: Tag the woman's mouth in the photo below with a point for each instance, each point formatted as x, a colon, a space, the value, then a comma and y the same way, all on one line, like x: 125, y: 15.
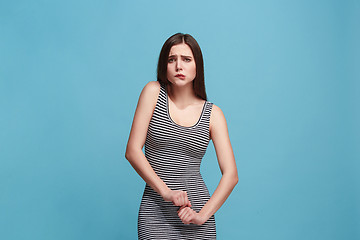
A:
x: 180, y: 76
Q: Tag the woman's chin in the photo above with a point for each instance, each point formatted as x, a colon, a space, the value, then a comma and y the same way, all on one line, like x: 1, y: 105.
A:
x: 180, y: 82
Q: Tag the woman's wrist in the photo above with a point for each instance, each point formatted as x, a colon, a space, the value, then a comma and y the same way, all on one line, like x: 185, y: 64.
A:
x: 164, y: 193
x: 202, y: 217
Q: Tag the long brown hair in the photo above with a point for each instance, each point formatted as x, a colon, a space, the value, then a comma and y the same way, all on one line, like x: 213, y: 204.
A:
x: 199, y: 81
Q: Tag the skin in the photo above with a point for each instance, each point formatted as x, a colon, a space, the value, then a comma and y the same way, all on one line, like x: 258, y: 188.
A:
x: 183, y: 104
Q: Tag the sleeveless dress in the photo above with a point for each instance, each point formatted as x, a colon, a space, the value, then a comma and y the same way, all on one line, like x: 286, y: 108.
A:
x: 175, y: 153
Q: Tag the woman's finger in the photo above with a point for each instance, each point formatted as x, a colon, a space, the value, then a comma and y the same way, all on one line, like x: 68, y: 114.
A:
x: 178, y: 199
x: 188, y: 215
x: 180, y: 208
x: 187, y: 200
x: 183, y: 212
x: 184, y: 198
x: 182, y: 218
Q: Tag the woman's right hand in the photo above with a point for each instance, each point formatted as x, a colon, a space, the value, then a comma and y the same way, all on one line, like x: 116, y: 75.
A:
x: 177, y: 197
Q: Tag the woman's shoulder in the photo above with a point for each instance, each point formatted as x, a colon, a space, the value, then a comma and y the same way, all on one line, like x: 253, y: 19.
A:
x: 215, y: 110
x: 151, y: 90
x: 149, y: 94
x: 217, y: 116
x: 152, y: 86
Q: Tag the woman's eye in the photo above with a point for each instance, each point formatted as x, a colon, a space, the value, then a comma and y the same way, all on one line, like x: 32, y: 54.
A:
x: 187, y: 59
x: 170, y: 60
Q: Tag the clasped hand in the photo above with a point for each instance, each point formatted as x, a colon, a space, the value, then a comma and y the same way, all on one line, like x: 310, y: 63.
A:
x: 185, y: 212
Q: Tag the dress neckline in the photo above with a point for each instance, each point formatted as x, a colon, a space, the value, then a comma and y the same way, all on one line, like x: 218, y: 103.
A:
x: 176, y: 124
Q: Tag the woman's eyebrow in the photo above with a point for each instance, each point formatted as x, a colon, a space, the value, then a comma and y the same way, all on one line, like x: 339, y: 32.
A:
x: 181, y: 56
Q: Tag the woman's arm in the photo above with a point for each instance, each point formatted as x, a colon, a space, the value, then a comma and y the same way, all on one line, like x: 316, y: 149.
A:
x: 220, y: 137
x: 137, y: 137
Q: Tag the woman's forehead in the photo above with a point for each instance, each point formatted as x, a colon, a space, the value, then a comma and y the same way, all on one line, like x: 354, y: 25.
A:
x: 180, y: 49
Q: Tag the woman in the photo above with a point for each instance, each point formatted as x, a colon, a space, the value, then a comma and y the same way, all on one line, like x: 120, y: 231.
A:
x: 176, y: 122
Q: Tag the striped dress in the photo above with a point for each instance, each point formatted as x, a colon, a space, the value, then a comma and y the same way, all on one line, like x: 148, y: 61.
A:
x: 175, y: 153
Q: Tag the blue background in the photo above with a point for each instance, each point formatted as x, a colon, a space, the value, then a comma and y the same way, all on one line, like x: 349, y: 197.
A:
x: 285, y: 73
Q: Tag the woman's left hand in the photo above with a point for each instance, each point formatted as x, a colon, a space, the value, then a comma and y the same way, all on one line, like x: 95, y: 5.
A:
x: 188, y: 215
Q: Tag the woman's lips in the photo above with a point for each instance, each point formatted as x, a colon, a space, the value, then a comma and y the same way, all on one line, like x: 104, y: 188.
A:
x: 180, y: 76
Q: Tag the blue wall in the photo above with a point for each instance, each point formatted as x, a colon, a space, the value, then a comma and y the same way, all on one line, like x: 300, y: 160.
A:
x: 285, y: 73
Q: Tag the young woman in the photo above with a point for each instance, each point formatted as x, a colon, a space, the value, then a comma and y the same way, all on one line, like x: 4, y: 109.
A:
x: 175, y: 122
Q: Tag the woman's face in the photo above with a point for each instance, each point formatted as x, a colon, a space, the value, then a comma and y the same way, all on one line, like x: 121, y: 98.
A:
x: 181, y: 68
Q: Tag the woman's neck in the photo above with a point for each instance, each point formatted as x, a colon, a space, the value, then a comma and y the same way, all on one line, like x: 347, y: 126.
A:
x: 182, y: 96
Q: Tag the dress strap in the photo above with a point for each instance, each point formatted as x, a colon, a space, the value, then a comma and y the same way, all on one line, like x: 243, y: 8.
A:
x: 207, y: 112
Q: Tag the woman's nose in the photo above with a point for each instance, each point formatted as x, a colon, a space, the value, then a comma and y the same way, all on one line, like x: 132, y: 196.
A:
x: 178, y: 65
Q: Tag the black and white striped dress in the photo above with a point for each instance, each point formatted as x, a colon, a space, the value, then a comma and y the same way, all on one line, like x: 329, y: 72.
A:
x: 175, y: 153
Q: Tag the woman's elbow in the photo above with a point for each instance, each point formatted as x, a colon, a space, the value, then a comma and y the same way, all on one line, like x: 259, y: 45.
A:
x: 235, y: 178
x: 127, y: 155
x: 131, y: 151
x: 128, y: 152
